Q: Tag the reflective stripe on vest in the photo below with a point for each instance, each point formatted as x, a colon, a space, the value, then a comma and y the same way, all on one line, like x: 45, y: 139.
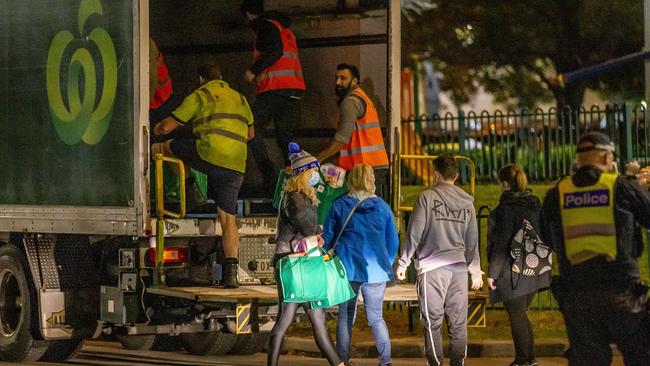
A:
x: 222, y: 126
x: 588, y: 219
x: 286, y: 72
x: 366, y: 145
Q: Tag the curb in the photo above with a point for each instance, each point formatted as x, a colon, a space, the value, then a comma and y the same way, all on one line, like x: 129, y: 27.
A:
x: 414, y: 348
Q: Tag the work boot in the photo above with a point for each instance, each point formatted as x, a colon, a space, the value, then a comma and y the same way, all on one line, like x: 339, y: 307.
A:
x: 230, y: 269
x: 193, y: 196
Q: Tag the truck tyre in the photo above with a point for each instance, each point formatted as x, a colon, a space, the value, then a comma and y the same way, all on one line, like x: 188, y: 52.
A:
x: 208, y: 344
x: 158, y: 342
x: 137, y: 342
x: 61, y: 350
x: 250, y: 344
x: 17, y: 309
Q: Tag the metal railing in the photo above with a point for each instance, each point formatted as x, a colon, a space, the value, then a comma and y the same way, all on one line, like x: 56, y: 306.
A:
x: 161, y: 212
x: 542, y: 141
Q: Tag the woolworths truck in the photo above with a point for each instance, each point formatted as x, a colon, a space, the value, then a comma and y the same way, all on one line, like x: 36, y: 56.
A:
x: 78, y: 215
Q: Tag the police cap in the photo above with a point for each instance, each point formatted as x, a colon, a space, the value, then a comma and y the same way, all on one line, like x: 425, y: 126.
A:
x: 595, y: 141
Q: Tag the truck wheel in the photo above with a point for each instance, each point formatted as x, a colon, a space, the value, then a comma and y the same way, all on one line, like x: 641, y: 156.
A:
x: 158, y: 342
x: 17, y: 307
x: 61, y: 350
x: 208, y: 344
x: 250, y: 344
x: 137, y: 342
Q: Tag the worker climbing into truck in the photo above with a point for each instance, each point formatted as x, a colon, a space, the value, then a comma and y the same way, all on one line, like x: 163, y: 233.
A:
x: 358, y: 138
x: 222, y: 122
x: 279, y: 83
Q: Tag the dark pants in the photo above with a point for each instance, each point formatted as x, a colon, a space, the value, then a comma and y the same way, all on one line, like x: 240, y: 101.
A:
x: 382, y: 183
x: 285, y: 114
x: 522, y: 332
x: 595, y: 318
x: 286, y: 313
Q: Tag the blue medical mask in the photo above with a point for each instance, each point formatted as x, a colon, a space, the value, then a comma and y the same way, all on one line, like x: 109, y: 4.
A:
x: 314, y: 179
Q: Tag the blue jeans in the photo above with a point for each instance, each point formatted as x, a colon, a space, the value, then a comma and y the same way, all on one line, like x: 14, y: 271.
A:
x: 373, y: 298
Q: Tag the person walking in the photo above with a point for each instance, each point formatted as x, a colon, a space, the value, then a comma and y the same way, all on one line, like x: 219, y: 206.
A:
x: 297, y: 224
x: 358, y: 138
x: 443, y: 237
x: 589, y: 219
x: 279, y: 82
x: 367, y: 246
x: 221, y: 123
x: 515, y: 290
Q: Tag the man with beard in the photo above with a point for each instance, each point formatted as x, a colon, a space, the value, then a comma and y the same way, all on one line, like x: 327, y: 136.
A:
x: 358, y: 138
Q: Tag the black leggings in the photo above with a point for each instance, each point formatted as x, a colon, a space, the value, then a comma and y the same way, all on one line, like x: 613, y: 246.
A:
x: 286, y: 313
x: 522, y: 332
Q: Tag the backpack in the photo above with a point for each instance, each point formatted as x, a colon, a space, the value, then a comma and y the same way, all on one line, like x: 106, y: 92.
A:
x: 530, y: 256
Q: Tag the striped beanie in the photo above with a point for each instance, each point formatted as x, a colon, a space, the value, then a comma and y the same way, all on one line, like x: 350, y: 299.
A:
x: 300, y: 159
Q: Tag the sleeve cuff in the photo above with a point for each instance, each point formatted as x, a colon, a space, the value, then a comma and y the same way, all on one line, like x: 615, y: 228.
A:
x: 175, y: 118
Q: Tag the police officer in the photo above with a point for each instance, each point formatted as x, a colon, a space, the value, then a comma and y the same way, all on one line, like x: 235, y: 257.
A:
x: 222, y: 123
x: 589, y: 220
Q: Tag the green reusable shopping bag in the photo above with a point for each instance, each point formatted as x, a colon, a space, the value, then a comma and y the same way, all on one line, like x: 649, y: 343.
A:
x: 338, y: 286
x: 338, y: 289
x: 303, y: 278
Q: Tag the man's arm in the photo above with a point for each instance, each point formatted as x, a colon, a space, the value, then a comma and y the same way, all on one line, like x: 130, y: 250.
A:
x: 417, y: 225
x: 332, y: 148
x: 251, y: 132
x: 550, y: 212
x: 349, y: 112
x: 471, y: 252
x: 166, y: 126
x: 269, y: 43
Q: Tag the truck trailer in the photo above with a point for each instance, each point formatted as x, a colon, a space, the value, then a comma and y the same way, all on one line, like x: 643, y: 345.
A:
x: 81, y: 230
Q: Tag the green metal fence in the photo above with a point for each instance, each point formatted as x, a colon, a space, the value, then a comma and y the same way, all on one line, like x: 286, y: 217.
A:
x: 542, y: 141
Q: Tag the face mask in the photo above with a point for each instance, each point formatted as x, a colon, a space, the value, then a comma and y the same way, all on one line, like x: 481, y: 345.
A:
x: 314, y: 179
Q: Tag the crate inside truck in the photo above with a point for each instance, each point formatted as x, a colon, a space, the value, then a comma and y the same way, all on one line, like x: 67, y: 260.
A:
x: 84, y: 249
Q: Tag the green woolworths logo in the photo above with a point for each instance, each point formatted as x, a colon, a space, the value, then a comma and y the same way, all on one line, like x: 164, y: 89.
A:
x: 82, y: 119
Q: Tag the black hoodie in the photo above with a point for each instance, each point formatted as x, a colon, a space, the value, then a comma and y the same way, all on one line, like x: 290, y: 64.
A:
x: 504, y: 223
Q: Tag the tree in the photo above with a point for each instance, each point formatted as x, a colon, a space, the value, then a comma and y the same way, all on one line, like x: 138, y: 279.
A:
x: 515, y: 49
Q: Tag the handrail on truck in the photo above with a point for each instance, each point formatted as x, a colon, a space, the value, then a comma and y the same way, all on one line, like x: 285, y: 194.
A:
x: 161, y: 212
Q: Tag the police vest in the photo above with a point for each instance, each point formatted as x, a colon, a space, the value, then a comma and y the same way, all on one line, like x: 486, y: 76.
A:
x: 286, y: 72
x: 221, y: 125
x: 160, y: 84
x: 588, y: 219
x: 366, y: 145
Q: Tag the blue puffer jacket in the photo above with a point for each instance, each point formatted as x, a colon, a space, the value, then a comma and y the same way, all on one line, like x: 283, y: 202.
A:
x: 369, y: 243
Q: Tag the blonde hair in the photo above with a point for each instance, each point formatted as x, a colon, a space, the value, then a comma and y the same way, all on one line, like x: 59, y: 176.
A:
x: 300, y: 183
x: 515, y: 176
x: 361, y: 178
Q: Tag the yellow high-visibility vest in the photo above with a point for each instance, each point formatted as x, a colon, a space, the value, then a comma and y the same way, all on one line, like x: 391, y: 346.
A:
x: 588, y: 219
x: 219, y: 117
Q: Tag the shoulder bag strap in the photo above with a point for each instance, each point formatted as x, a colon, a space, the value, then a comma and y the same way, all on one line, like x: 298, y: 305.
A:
x: 345, y: 223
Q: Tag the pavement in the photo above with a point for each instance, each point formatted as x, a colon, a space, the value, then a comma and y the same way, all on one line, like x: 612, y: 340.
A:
x: 413, y: 347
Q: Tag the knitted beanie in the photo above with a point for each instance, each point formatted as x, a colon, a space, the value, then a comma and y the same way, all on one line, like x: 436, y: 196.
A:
x: 300, y: 159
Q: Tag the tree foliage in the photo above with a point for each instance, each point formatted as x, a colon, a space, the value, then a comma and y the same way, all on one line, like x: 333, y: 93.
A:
x: 515, y: 49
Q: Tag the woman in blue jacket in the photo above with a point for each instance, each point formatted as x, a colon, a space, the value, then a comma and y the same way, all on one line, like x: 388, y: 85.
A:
x: 367, y: 247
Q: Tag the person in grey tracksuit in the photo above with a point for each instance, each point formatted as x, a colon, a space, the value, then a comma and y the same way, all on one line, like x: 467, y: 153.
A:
x: 442, y: 238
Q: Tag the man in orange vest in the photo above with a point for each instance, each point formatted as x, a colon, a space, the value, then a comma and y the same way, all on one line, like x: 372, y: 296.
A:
x: 358, y: 138
x: 277, y: 74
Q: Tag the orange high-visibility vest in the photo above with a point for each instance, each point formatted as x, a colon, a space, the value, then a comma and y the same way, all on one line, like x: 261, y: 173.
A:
x: 366, y: 145
x: 160, y: 82
x: 286, y: 72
